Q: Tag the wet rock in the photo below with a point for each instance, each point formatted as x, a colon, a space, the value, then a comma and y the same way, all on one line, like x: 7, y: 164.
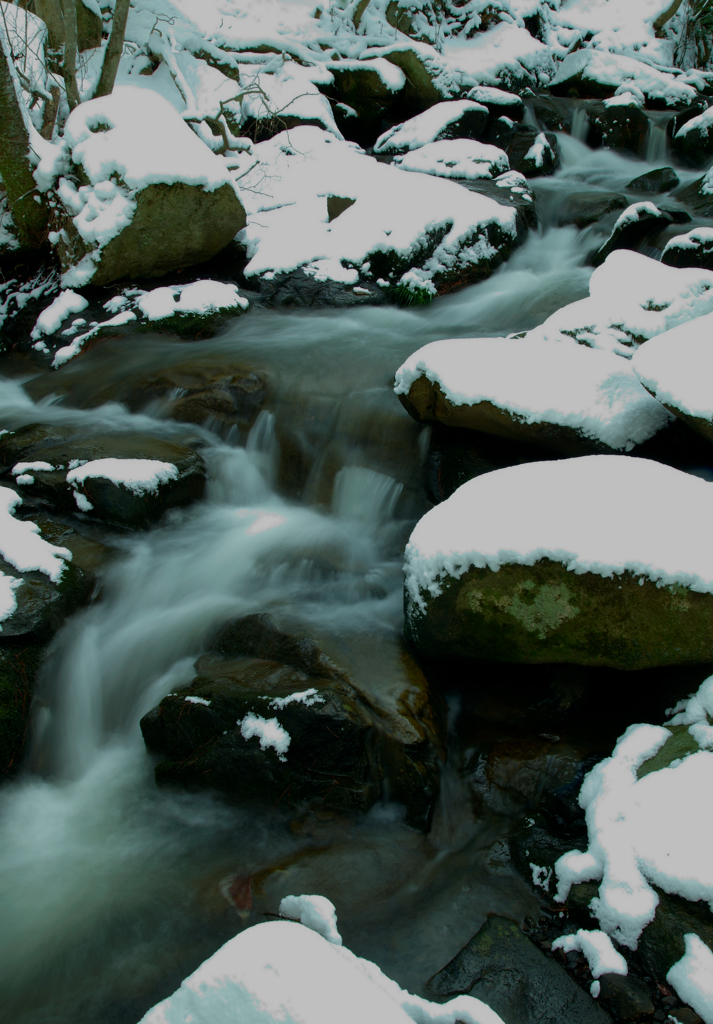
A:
x: 552, y: 114
x: 508, y: 972
x: 698, y: 196
x: 662, y: 942
x: 661, y: 180
x: 685, y: 1015
x: 587, y: 207
x: 529, y: 151
x: 337, y: 743
x: 224, y: 397
x: 694, y: 249
x: 299, y: 290
x: 683, y: 115
x: 501, y: 616
x: 692, y: 142
x: 510, y: 189
x: 635, y: 224
x: 63, y: 448
x: 19, y: 666
x: 618, y: 127
x: 626, y: 998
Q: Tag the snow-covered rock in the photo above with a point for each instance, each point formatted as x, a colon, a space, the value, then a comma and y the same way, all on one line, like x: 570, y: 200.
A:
x: 559, y: 562
x: 452, y: 119
x: 631, y: 298
x: 147, y: 196
x: 282, y: 970
x: 693, y: 142
x: 699, y: 195
x: 598, y: 73
x: 653, y: 767
x: 412, y: 231
x: 456, y: 158
x: 631, y: 227
x: 692, y: 249
x: 551, y: 393
x: 677, y: 367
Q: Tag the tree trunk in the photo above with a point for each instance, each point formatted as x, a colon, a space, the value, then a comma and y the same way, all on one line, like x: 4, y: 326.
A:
x: 666, y: 15
x: 70, y: 53
x: 28, y: 209
x: 51, y: 13
x: 114, y: 49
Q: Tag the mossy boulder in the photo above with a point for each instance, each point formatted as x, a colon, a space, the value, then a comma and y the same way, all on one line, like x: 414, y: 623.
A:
x: 343, y: 745
x: 543, y: 613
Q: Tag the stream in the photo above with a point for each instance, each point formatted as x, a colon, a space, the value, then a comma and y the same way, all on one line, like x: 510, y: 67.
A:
x: 113, y: 891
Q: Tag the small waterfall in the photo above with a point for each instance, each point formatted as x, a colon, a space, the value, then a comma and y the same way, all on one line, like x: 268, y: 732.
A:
x: 657, y: 141
x: 263, y: 447
x: 364, y: 494
x: 580, y: 123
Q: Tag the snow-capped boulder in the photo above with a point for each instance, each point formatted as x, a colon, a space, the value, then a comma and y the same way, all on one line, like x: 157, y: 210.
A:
x: 597, y: 74
x: 412, y: 234
x: 602, y: 560
x: 694, y: 249
x: 499, y: 102
x: 693, y: 141
x: 269, y: 717
x: 677, y: 367
x: 632, y: 226
x: 456, y: 158
x: 145, y: 196
x: 619, y: 123
x: 452, y: 119
x: 699, y: 195
x: 555, y: 394
x: 128, y: 480
x: 631, y: 298
x: 531, y: 152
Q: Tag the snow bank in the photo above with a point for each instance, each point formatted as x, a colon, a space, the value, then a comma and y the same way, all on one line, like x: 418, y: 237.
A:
x: 283, y: 971
x: 631, y: 298
x: 505, y: 53
x: 539, y: 381
x: 315, y: 912
x: 456, y: 158
x: 692, y: 977
x: 501, y: 518
x: 613, y: 70
x: 140, y: 476
x: 628, y: 850
x: 597, y: 948
x: 394, y: 213
x: 22, y: 546
x: 678, y: 366
x: 199, y: 297
x: 426, y: 127
x: 49, y: 320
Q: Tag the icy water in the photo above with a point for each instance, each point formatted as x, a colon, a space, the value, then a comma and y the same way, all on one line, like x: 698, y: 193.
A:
x: 113, y: 891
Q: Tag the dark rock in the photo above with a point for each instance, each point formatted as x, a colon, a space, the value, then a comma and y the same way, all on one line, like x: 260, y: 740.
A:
x: 626, y: 998
x: 661, y: 180
x: 685, y: 1015
x: 694, y: 249
x: 298, y: 290
x: 692, y: 143
x: 112, y: 503
x: 584, y: 208
x: 19, y: 666
x: 552, y: 114
x: 517, y: 194
x: 638, y: 222
x: 683, y: 116
x: 662, y: 942
x: 622, y: 128
x: 345, y: 742
x: 536, y: 842
x: 336, y: 205
x: 529, y: 151
x: 696, y: 198
x: 510, y: 974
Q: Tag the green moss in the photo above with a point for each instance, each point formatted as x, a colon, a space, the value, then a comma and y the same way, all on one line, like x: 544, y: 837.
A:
x: 679, y: 745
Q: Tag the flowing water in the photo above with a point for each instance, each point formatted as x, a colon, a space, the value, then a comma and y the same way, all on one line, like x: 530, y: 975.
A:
x: 112, y: 890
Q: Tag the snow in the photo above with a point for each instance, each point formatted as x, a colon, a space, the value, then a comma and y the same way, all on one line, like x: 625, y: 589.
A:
x: 628, y: 850
x: 67, y: 352
x: 626, y: 97
x: 539, y: 381
x: 315, y: 912
x: 35, y: 467
x: 283, y: 971
x: 538, y: 150
x: 692, y: 977
x: 456, y: 158
x: 269, y: 732
x: 597, y: 948
x: 198, y: 297
x: 197, y: 700
x: 8, y: 601
x: 499, y: 518
x: 632, y: 298
x: 496, y: 97
x: 632, y: 214
x: 505, y: 52
x: 704, y: 123
x: 286, y: 202
x: 21, y: 544
x: 614, y: 70
x: 306, y: 697
x: 425, y: 127
x: 140, y: 476
x: 698, y: 238
x: 678, y: 365
x: 49, y: 320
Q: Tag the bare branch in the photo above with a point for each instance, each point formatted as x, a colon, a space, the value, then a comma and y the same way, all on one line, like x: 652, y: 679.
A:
x: 114, y: 49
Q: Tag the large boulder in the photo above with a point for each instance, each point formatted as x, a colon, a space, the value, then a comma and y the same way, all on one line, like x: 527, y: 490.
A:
x: 463, y: 159
x: 636, y: 223
x: 693, y: 141
x: 452, y: 119
x: 677, y: 367
x: 126, y: 480
x: 556, y: 395
x: 663, y: 179
x: 144, y: 197
x: 597, y: 74
x: 698, y: 195
x: 694, y: 249
x: 618, y: 123
x: 270, y: 717
x: 518, y: 565
x: 529, y: 151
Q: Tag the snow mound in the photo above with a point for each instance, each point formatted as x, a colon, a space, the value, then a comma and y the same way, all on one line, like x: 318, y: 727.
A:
x: 692, y: 977
x: 456, y: 158
x: 596, y: 393
x: 612, y: 70
x: 199, y: 297
x: 315, y: 912
x: 631, y: 298
x: 678, y: 366
x: 49, y: 320
x: 282, y: 971
x: 501, y: 518
x: 507, y: 53
x: 628, y: 850
x: 140, y: 476
x: 597, y: 948
x: 426, y: 127
x: 392, y: 218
